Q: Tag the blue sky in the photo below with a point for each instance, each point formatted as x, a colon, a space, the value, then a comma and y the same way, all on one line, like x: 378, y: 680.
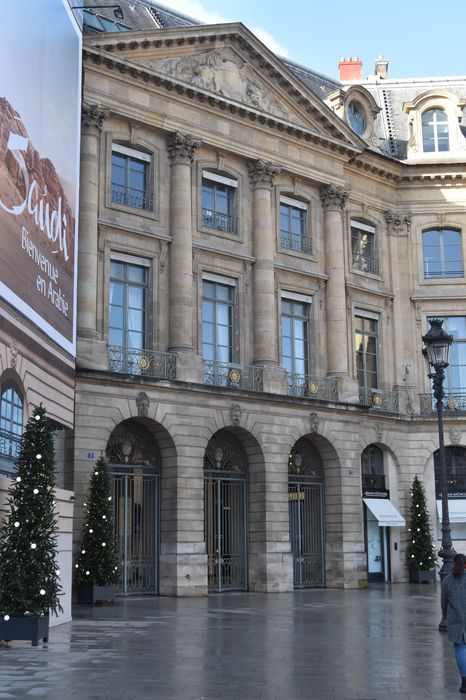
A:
x: 419, y: 37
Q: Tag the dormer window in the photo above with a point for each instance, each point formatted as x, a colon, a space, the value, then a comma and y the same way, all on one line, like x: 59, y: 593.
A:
x: 357, y: 117
x: 434, y: 131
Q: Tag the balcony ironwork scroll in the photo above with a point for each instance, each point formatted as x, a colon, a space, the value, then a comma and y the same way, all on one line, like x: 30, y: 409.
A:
x: 296, y: 242
x: 136, y: 199
x: 311, y: 387
x: 454, y: 402
x: 233, y: 376
x: 146, y: 363
x: 379, y: 400
x: 9, y: 444
x: 221, y: 222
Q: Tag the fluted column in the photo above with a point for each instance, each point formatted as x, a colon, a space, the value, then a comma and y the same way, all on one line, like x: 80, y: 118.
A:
x: 262, y: 174
x: 333, y: 202
x: 91, y: 121
x: 181, y: 149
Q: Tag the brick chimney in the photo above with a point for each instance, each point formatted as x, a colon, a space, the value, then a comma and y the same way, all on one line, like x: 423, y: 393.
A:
x: 350, y: 69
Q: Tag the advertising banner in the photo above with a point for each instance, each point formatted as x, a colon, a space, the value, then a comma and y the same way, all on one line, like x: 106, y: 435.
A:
x: 40, y: 110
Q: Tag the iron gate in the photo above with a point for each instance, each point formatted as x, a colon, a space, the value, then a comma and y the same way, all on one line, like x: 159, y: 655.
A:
x: 136, y: 522
x: 305, y: 501
x: 225, y: 523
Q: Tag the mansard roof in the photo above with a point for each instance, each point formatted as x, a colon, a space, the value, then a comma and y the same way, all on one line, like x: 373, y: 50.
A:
x: 391, y: 129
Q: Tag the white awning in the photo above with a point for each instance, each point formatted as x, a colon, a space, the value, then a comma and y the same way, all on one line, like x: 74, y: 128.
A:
x: 385, y: 512
x: 456, y: 510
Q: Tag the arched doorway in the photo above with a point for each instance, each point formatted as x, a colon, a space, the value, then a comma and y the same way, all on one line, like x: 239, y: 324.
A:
x: 134, y: 465
x: 375, y: 537
x: 225, y: 513
x: 306, y: 514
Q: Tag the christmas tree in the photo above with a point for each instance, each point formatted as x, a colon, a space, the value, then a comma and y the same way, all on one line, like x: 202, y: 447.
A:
x: 97, y: 562
x: 29, y: 575
x: 420, y: 552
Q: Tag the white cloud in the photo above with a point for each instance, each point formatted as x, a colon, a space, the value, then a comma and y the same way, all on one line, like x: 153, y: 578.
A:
x: 194, y: 9
x: 269, y: 41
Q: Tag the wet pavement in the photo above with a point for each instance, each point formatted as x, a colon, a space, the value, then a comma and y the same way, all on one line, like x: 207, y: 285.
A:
x: 375, y: 644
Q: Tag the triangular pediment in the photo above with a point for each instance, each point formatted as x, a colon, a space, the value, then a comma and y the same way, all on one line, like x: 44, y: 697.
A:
x: 230, y: 63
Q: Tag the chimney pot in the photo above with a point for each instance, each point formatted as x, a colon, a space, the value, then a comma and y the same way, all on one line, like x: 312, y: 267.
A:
x: 350, y: 69
x: 381, y: 67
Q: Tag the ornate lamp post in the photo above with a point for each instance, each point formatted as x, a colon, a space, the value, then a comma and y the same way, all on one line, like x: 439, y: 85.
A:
x: 437, y: 350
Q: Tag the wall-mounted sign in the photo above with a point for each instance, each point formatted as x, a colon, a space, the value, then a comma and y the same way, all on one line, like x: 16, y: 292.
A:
x: 40, y: 111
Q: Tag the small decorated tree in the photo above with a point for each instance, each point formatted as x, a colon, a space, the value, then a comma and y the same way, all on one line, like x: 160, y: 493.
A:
x: 97, y: 563
x: 420, y: 552
x: 29, y: 575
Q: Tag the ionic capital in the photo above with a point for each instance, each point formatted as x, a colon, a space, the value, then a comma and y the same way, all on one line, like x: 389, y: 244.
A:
x: 181, y: 147
x: 92, y: 117
x: 333, y: 197
x: 262, y: 173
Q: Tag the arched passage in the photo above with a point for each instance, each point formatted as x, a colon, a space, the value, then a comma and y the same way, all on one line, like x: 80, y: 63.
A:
x: 306, y: 514
x: 135, y: 452
x: 225, y: 513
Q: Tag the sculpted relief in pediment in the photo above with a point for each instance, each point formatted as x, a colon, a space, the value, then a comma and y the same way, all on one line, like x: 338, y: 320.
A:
x: 224, y: 73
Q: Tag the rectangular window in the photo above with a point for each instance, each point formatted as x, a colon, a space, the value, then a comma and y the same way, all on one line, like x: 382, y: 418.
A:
x: 366, y: 341
x: 442, y: 253
x: 363, y: 248
x: 455, y: 373
x: 295, y: 336
x: 294, y: 225
x: 130, y: 178
x: 218, y: 302
x: 127, y: 309
x: 219, y: 202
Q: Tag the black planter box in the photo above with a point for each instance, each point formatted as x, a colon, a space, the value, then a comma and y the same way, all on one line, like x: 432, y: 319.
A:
x: 91, y: 594
x: 418, y: 576
x: 28, y: 627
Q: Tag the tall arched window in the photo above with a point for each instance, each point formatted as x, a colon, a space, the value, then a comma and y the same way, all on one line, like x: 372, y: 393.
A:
x: 435, y: 131
x: 11, y: 421
x: 372, y: 468
x: 455, y: 463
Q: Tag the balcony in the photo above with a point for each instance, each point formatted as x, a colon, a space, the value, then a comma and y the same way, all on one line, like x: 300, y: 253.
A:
x: 309, y: 387
x: 365, y: 264
x: 379, y: 400
x: 145, y: 363
x: 9, y: 444
x: 136, y: 199
x: 233, y: 376
x: 219, y: 221
x: 296, y: 242
x: 454, y: 403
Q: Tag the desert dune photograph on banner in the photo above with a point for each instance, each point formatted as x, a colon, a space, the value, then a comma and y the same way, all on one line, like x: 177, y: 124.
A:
x: 39, y: 161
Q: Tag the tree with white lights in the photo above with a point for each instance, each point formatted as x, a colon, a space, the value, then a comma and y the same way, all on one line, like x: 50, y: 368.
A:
x: 420, y: 551
x: 97, y: 561
x: 29, y: 575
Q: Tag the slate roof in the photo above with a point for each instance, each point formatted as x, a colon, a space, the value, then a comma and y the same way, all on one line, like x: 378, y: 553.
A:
x: 391, y: 124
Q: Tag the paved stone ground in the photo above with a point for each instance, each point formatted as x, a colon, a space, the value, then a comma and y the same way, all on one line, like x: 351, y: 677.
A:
x: 378, y: 644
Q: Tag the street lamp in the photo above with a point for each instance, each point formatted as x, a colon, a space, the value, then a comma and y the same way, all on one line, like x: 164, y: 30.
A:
x: 437, y: 350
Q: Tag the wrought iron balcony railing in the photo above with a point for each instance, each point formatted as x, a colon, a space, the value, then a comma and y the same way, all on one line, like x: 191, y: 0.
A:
x: 221, y: 222
x: 233, y: 376
x: 9, y: 444
x: 146, y: 363
x: 137, y: 199
x: 379, y: 400
x: 324, y: 388
x: 293, y: 241
x: 365, y: 264
x: 454, y: 402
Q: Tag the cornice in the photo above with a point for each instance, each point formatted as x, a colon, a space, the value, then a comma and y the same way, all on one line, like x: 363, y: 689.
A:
x: 105, y: 57
x: 385, y: 294
x: 201, y: 245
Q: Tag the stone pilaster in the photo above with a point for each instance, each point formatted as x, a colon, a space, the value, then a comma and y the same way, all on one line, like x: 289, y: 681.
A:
x: 91, y: 119
x: 262, y: 174
x: 333, y: 202
x: 181, y: 150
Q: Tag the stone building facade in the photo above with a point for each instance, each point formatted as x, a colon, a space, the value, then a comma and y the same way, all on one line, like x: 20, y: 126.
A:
x: 253, y: 287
